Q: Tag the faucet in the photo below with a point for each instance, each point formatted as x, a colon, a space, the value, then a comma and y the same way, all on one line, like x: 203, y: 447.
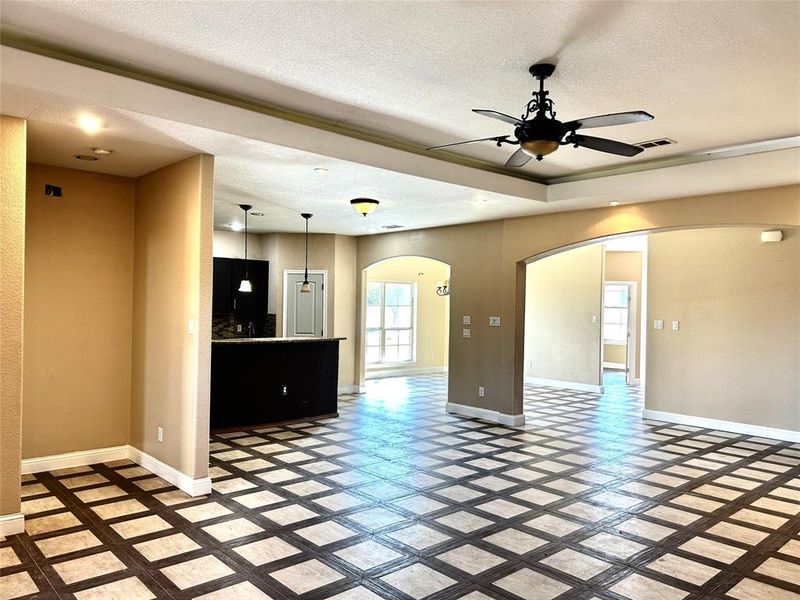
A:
x: 251, y: 329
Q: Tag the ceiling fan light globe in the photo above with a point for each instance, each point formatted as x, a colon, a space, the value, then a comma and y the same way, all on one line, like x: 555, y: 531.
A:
x: 539, y: 147
x: 364, y: 205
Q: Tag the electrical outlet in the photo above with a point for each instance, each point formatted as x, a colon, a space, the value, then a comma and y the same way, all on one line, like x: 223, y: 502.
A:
x: 465, y: 333
x: 160, y: 434
x: 285, y: 390
x: 594, y: 319
x: 481, y: 391
x: 676, y: 326
x: 658, y: 324
x: 191, y: 327
x: 466, y: 320
x: 239, y: 328
x: 494, y: 321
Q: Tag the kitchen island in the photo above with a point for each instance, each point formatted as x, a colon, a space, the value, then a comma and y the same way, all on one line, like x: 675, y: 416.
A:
x: 261, y: 381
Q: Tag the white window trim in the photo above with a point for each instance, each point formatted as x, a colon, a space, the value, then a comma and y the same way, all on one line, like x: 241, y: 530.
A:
x: 400, y: 363
x: 630, y: 291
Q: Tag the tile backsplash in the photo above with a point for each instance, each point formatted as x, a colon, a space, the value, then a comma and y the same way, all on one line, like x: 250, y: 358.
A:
x: 223, y: 326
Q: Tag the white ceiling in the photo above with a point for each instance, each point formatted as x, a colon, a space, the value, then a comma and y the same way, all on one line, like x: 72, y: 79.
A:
x: 713, y: 73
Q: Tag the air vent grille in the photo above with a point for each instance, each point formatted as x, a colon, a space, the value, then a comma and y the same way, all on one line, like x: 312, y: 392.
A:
x: 392, y: 227
x: 654, y: 143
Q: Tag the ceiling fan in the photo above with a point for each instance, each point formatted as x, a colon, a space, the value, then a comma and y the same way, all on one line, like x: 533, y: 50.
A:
x: 539, y: 133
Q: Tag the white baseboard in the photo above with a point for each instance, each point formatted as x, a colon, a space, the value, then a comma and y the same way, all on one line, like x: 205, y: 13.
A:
x: 193, y: 487
x: 11, y: 524
x: 484, y: 414
x: 614, y: 365
x: 348, y: 389
x: 404, y: 372
x: 569, y: 385
x: 785, y: 435
x: 73, y: 459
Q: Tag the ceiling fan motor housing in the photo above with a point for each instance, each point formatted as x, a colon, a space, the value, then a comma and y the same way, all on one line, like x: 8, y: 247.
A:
x: 540, y: 136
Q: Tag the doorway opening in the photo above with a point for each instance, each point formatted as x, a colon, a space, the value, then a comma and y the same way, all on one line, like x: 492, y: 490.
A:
x: 406, y: 318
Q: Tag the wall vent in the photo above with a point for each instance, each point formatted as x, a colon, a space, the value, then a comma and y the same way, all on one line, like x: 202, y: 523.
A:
x: 654, y: 143
x: 392, y: 227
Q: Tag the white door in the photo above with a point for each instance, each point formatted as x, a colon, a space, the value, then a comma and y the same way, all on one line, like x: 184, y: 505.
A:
x: 304, y: 314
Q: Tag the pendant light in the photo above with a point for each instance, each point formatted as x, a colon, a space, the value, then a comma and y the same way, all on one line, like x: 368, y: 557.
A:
x: 245, y: 285
x: 306, y: 287
x: 364, y: 205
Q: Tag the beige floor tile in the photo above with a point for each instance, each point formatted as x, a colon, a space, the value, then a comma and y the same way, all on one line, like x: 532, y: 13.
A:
x: 672, y: 515
x: 515, y: 541
x: 356, y: 593
x: 756, y: 517
x: 151, y: 483
x: 613, y: 545
x: 203, y: 512
x: 288, y: 515
x: 780, y: 569
x: 791, y: 548
x: 266, y: 551
x: 88, y: 567
x: 306, y: 576
x: 232, y: 529
x: 738, y: 533
x: 8, y: 557
x: 750, y: 589
x: 645, y: 529
x: 554, y: 525
x: 258, y: 499
x: 464, y: 521
x: 173, y: 497
x: 779, y: 506
x: 231, y: 486
x: 638, y: 587
x: 537, y: 497
x: 102, y: 493
x: 239, y: 591
x: 131, y: 528
x: 40, y: 505
x: 82, y: 481
x: 124, y: 589
x: 470, y: 559
x: 196, y: 571
x: 682, y: 568
x: 325, y: 533
x: 367, y: 555
x: 419, y: 536
x: 502, y: 508
x: 17, y: 585
x: 50, y: 523
x: 531, y: 585
x: 70, y: 542
x: 122, y: 508
x: 418, y: 581
x: 578, y: 565
x: 34, y: 489
x: 713, y: 550
x: 170, y: 545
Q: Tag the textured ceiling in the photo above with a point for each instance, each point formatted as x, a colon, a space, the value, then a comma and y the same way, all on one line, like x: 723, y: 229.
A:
x: 713, y: 73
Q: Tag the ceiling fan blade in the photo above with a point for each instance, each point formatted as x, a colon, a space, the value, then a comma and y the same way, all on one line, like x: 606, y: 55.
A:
x: 622, y: 118
x: 518, y: 159
x: 493, y: 139
x: 604, y: 145
x: 497, y: 115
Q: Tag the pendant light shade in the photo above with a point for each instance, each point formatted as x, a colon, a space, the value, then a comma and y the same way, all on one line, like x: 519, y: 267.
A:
x: 305, y: 288
x: 364, y: 205
x: 245, y: 285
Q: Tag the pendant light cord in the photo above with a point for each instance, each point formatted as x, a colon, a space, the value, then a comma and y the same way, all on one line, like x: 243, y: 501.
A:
x: 305, y: 275
x: 245, y: 245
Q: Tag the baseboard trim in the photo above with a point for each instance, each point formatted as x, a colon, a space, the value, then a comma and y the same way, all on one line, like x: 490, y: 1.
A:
x: 614, y: 365
x: 484, y: 414
x: 73, y: 459
x: 193, y: 487
x: 404, y: 372
x: 347, y: 389
x: 12, y: 524
x: 773, y: 433
x: 569, y: 385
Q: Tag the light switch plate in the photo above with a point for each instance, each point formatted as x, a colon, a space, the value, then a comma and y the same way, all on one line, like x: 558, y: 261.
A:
x: 676, y: 326
x: 494, y: 321
x: 658, y: 324
x: 466, y: 320
x: 465, y: 333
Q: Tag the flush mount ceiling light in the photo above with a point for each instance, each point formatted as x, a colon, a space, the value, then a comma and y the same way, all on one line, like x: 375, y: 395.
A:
x: 236, y: 226
x: 87, y: 157
x: 364, y: 205
x: 614, y: 203
x: 305, y: 288
x: 90, y: 124
x: 101, y: 151
x: 245, y: 285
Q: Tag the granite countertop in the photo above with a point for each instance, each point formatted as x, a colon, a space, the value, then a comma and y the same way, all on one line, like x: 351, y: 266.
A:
x: 277, y: 340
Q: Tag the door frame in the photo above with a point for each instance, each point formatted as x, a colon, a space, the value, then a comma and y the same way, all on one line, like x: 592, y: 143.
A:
x: 324, y: 273
x: 633, y: 342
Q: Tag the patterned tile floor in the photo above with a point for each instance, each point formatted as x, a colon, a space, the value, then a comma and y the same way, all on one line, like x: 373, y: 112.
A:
x: 396, y: 499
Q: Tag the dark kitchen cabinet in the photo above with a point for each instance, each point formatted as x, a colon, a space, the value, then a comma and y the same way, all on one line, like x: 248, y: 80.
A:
x: 227, y: 299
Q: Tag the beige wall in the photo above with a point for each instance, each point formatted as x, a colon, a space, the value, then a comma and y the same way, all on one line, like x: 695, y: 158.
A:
x: 625, y: 266
x: 487, y: 267
x: 172, y: 287
x: 12, y: 290
x: 344, y: 306
x: 563, y: 307
x: 736, y: 356
x: 78, y: 303
x: 433, y: 312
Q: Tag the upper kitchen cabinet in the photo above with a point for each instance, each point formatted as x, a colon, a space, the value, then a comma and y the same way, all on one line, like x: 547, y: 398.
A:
x: 228, y: 274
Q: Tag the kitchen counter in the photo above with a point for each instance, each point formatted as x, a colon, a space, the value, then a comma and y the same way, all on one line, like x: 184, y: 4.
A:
x: 277, y: 340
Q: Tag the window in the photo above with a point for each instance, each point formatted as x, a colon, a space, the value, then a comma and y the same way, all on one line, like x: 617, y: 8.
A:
x: 390, y: 322
x: 615, y: 313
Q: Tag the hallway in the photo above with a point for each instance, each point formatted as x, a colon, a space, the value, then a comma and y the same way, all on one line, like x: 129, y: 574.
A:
x: 397, y: 499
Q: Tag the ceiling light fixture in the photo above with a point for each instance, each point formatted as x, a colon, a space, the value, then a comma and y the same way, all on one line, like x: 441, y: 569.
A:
x: 90, y: 124
x: 245, y: 285
x: 321, y: 170
x: 101, y: 151
x: 364, y: 205
x: 306, y: 287
x: 87, y: 157
x: 236, y: 226
x: 614, y: 203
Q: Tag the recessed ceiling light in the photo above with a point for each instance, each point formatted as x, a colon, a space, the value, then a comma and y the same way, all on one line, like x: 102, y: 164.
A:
x: 236, y: 226
x: 87, y: 157
x: 614, y: 203
x: 101, y: 151
x: 90, y: 124
x: 321, y: 170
